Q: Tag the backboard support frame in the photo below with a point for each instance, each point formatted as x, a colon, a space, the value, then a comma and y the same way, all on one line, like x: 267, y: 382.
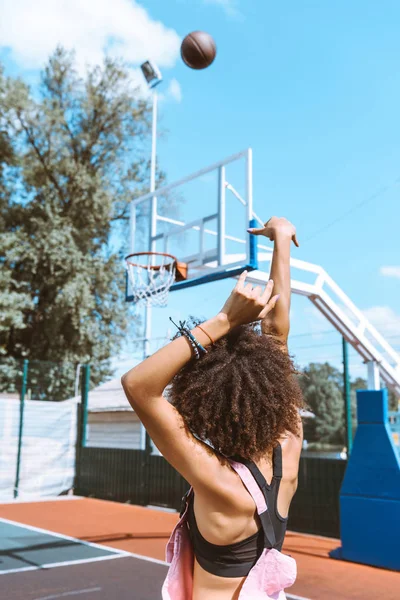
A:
x: 205, y: 266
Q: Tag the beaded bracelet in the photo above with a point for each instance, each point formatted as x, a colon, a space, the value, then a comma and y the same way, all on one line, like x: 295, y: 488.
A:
x: 197, y: 348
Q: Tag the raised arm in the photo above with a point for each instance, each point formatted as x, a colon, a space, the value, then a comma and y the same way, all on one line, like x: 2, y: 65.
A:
x: 145, y: 383
x: 282, y: 233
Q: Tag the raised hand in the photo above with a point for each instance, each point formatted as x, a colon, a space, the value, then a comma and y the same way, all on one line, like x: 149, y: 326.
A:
x: 274, y: 227
x: 247, y: 303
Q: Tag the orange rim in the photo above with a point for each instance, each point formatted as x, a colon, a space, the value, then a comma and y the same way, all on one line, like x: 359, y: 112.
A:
x: 154, y: 267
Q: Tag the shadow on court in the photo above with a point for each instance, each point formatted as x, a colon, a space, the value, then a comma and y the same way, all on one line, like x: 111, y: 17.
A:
x: 100, y: 533
x: 123, y: 537
x: 124, y: 578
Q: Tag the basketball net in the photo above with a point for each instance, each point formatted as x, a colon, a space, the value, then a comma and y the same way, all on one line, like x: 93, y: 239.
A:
x: 150, y: 282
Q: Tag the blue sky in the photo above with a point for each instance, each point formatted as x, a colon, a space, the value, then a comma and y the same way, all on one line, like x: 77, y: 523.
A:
x: 313, y: 87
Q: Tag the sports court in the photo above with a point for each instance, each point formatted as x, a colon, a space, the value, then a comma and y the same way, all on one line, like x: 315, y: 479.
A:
x: 96, y: 550
x: 136, y: 190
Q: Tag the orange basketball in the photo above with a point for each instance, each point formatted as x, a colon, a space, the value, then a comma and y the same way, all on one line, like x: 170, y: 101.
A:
x: 198, y: 50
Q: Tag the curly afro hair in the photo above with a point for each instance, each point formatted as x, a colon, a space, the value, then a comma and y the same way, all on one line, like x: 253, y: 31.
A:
x: 241, y: 396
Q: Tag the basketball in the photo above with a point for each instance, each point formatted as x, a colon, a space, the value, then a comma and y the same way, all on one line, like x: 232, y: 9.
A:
x: 198, y: 50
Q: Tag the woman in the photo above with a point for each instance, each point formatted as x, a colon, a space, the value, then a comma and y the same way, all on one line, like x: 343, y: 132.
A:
x: 230, y: 426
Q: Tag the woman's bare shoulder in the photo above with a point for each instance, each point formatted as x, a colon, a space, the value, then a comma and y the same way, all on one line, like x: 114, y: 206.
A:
x: 291, y: 444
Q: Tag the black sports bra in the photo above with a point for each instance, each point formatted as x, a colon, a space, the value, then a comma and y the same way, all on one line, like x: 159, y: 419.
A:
x: 237, y: 560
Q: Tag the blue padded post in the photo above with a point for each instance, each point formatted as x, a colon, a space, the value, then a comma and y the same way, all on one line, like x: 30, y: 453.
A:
x: 370, y: 492
x: 253, y: 258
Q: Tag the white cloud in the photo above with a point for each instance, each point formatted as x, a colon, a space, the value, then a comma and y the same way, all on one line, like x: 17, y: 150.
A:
x: 122, y: 28
x: 386, y: 321
x: 138, y: 82
x: 229, y: 6
x: 174, y: 90
x: 390, y: 272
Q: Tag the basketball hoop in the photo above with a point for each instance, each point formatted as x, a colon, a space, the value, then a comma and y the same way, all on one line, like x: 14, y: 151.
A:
x: 151, y: 275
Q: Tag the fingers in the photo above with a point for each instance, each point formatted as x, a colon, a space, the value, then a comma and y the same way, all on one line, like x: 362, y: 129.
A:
x: 256, y: 230
x: 270, y: 306
x: 241, y: 280
x: 266, y: 295
x: 256, y: 292
x: 296, y: 243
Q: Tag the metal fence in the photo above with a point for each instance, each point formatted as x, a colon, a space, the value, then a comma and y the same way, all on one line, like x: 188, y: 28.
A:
x: 140, y: 478
x: 38, y: 432
x: 315, y: 507
x: 126, y: 475
x: 44, y: 452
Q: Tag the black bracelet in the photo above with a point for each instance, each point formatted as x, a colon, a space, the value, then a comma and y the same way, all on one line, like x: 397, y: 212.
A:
x: 197, y: 348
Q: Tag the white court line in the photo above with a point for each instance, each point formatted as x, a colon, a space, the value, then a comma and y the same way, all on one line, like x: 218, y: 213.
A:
x: 67, y: 563
x: 161, y: 508
x: 65, y: 537
x: 38, y: 500
x: 149, y: 559
x: 72, y: 593
x: 114, y: 553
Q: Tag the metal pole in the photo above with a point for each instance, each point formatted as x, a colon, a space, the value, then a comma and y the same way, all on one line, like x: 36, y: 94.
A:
x: 153, y: 233
x: 153, y: 215
x: 249, y: 195
x: 77, y: 374
x: 132, y: 229
x: 374, y: 379
x: 21, y: 423
x: 221, y: 216
x: 347, y: 397
x: 85, y: 403
x: 154, y: 158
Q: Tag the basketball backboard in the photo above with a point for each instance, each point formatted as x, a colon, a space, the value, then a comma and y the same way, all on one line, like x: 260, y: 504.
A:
x: 202, y: 220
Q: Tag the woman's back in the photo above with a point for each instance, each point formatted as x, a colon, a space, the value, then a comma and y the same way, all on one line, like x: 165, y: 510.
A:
x: 226, y: 533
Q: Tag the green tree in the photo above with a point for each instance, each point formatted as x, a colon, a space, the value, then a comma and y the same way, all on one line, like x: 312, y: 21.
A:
x: 322, y: 386
x: 394, y: 401
x: 72, y: 157
x: 13, y: 300
x: 323, y: 393
x: 357, y: 384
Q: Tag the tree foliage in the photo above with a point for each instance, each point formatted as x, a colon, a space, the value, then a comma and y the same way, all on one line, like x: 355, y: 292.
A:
x: 71, y: 158
x: 322, y: 388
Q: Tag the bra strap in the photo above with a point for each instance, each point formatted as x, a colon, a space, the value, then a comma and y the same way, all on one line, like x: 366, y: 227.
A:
x: 185, y: 501
x: 252, y: 483
x: 277, y: 462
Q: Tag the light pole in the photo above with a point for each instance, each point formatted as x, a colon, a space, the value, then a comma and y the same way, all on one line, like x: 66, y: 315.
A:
x: 153, y: 77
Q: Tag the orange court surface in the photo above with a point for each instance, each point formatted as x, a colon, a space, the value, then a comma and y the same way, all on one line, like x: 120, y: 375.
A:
x: 134, y: 530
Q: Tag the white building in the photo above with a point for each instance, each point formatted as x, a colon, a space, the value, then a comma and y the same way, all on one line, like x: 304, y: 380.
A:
x: 111, y: 421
